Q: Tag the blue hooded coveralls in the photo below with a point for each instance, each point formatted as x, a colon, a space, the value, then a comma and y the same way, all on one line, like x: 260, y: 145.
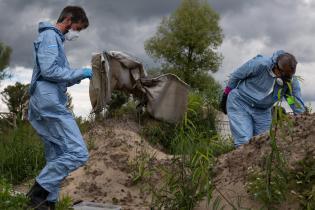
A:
x: 254, y: 92
x: 65, y: 149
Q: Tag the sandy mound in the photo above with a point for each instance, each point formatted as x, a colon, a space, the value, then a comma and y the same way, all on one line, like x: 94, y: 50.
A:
x: 106, y: 178
x: 232, y: 168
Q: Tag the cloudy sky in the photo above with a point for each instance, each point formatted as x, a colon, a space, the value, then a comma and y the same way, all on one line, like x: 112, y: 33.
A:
x: 250, y: 27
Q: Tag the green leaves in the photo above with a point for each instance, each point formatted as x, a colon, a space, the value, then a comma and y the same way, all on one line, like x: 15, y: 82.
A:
x: 16, y: 98
x: 21, y: 154
x: 186, y: 42
x: 188, y: 179
x: 8, y: 200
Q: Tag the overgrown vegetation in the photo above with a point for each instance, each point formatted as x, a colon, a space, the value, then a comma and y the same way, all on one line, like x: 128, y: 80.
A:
x: 200, y: 112
x: 141, y: 167
x: 194, y: 144
x: 8, y: 199
x: 21, y: 153
x: 128, y: 108
x: 303, y: 182
x: 187, y: 180
x: 21, y: 159
x: 118, y: 98
x: 272, y: 183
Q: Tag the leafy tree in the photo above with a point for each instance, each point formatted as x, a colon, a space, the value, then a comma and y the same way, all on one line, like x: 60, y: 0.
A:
x: 5, y: 53
x: 186, y: 42
x: 16, y: 98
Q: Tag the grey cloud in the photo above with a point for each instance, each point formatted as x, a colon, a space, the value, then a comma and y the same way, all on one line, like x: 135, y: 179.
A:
x: 112, y: 26
x: 285, y: 24
x: 126, y: 24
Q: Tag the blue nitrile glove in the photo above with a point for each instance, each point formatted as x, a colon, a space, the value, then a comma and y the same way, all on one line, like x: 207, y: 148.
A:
x: 87, y: 73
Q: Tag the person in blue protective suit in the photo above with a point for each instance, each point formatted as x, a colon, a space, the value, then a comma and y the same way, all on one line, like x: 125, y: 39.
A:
x: 65, y: 149
x: 253, y: 89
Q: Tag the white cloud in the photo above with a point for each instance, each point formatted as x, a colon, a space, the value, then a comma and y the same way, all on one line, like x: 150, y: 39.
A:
x: 236, y: 52
x: 80, y: 98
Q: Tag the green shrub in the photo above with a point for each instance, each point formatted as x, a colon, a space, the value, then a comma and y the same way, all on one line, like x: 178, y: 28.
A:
x: 128, y: 109
x: 84, y: 125
x: 141, y: 166
x: 201, y: 114
x: 187, y: 180
x: 256, y: 186
x: 118, y: 99
x: 159, y: 133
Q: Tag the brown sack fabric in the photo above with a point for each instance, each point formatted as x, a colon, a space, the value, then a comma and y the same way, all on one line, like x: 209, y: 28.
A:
x: 166, y: 95
x: 99, y: 89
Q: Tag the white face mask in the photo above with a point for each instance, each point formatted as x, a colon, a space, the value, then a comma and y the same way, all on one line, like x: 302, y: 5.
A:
x: 72, y: 35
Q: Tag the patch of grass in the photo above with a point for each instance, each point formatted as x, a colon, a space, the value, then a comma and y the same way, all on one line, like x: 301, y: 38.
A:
x: 9, y: 201
x: 21, y: 153
x: 256, y: 185
x: 84, y: 125
x: 140, y: 166
x: 188, y: 178
x: 303, y: 182
x: 91, y: 143
x: 65, y: 203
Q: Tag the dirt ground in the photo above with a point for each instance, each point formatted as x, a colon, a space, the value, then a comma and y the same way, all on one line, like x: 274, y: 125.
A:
x: 232, y: 168
x: 107, y: 179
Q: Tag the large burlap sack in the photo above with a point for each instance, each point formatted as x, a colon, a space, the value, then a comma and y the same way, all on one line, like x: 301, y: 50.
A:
x: 167, y: 97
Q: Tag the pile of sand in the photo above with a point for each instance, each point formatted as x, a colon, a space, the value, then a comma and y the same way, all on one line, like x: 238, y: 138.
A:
x: 106, y: 177
x: 231, y: 171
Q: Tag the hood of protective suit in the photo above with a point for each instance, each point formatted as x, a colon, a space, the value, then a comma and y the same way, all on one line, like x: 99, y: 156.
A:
x: 43, y: 26
x: 276, y: 55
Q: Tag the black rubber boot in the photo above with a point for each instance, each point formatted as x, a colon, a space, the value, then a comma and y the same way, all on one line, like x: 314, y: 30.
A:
x: 38, y: 196
x: 51, y: 205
